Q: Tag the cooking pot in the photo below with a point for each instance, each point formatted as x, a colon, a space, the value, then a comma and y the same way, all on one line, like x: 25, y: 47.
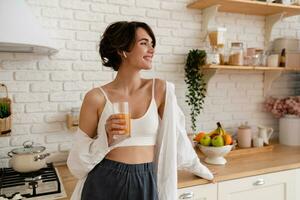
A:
x: 28, y: 158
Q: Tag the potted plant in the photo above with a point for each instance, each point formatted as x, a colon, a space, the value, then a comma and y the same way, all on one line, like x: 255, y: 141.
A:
x: 288, y: 111
x: 5, y: 113
x: 196, y: 86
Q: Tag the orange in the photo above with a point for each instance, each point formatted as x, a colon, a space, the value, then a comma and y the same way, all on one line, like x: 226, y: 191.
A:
x: 199, y: 136
x: 227, y: 139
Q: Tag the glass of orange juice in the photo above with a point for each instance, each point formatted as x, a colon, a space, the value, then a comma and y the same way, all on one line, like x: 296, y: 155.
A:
x: 122, y: 109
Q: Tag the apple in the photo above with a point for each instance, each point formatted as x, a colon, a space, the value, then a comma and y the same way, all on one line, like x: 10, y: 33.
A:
x: 217, y: 141
x: 205, y: 140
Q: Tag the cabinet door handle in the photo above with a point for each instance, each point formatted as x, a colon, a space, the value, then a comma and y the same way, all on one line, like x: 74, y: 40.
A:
x: 187, y: 195
x: 259, y: 182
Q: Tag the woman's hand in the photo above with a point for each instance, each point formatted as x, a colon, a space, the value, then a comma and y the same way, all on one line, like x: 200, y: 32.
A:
x: 115, y: 125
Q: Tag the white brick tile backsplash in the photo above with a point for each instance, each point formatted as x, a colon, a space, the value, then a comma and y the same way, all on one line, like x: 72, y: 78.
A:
x: 56, y: 117
x: 57, y: 13
x: 88, y: 36
x: 173, y: 6
x: 76, y: 85
x: 75, y: 4
x: 20, y: 129
x: 87, y: 66
x: 14, y: 86
x: 54, y: 65
x: 31, y: 76
x: 55, y: 138
x: 46, y: 128
x: 66, y: 106
x: 33, y: 97
x: 40, y: 107
x: 133, y: 11
x: 64, y: 96
x: 22, y: 65
x: 78, y: 45
x: 74, y: 25
x: 90, y: 56
x: 105, y: 8
x: 65, y: 76
x: 61, y: 34
x: 45, y: 88
x: 158, y: 14
x: 4, y: 142
x: 168, y: 24
x: 120, y: 2
x: 148, y: 4
x: 91, y: 76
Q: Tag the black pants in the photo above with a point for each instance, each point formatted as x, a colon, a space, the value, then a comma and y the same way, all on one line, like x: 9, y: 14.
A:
x: 111, y: 180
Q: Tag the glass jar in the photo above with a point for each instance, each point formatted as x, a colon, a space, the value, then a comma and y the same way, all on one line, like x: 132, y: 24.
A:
x: 236, y: 56
x: 75, y: 116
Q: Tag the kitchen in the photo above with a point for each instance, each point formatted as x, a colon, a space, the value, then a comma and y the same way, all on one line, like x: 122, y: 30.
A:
x: 45, y: 87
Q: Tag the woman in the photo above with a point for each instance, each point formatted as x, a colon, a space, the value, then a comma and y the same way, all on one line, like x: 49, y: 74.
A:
x: 143, y: 166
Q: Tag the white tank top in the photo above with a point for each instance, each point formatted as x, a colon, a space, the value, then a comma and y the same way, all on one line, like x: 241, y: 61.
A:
x: 143, y: 129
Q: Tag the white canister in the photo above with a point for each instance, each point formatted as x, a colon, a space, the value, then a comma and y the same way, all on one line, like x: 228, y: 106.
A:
x: 273, y: 60
x: 289, y: 130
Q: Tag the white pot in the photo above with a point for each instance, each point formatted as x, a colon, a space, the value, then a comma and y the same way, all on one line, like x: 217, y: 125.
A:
x: 289, y: 130
x: 28, y: 158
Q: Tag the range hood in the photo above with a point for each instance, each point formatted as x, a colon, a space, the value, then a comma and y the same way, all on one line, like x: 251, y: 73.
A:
x: 19, y: 30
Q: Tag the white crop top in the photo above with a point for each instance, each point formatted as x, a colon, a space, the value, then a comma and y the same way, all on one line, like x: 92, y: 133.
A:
x: 143, y: 129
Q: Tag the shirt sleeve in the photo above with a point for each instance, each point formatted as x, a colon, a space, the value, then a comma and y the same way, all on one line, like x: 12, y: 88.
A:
x: 187, y: 159
x: 86, y: 153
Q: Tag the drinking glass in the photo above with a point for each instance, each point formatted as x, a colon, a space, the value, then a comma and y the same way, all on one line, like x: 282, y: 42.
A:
x: 122, y: 109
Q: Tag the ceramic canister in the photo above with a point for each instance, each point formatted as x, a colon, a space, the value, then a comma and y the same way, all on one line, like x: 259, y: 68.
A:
x: 244, y: 136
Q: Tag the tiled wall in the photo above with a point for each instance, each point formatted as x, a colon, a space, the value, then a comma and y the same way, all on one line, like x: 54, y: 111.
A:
x: 44, y: 88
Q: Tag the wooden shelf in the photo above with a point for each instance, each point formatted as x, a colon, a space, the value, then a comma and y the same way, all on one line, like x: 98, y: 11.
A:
x: 248, y: 7
x: 250, y: 68
x: 270, y: 73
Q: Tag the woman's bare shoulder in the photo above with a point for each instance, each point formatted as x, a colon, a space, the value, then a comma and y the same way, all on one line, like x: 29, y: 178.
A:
x: 94, y: 97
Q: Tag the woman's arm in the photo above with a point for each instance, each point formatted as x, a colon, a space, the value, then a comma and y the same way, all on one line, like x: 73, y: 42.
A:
x: 91, y: 111
x: 88, y: 148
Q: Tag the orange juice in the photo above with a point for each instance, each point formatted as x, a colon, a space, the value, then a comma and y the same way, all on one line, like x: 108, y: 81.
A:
x: 126, y: 117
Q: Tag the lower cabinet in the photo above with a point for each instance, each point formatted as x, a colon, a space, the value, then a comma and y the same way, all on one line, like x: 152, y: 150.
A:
x: 200, y: 192
x: 276, y: 186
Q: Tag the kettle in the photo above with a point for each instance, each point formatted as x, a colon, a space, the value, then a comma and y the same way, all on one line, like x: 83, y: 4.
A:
x: 265, y: 133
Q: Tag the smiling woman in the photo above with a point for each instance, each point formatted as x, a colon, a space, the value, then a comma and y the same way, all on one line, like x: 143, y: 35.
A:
x: 136, y: 167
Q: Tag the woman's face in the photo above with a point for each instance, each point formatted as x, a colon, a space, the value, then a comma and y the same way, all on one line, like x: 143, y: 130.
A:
x: 142, y: 52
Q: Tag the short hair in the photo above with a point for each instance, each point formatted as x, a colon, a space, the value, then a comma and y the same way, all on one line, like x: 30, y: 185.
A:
x: 120, y: 36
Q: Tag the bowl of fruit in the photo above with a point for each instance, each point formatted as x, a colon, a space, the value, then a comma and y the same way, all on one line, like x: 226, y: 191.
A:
x: 214, y: 145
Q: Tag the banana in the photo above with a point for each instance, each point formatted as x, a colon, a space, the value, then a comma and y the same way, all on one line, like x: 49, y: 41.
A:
x: 213, y: 132
x: 221, y: 130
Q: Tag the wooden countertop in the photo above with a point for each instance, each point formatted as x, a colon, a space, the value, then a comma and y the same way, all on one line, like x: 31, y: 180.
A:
x: 279, y: 159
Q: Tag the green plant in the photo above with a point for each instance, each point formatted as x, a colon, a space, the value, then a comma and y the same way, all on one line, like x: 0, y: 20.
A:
x: 196, y: 84
x: 4, y: 109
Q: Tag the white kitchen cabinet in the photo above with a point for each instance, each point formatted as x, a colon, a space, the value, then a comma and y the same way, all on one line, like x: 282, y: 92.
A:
x: 275, y: 186
x: 298, y: 184
x: 200, y: 192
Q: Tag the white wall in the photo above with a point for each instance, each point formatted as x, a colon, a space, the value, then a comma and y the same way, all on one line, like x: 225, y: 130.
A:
x: 44, y: 88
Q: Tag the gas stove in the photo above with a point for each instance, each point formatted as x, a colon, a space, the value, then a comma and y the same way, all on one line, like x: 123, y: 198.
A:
x: 44, y: 184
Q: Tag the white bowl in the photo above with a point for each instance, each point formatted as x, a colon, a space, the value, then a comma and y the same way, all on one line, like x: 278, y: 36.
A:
x: 215, y: 155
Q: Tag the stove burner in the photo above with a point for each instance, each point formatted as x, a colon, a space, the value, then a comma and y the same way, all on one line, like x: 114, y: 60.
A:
x: 33, y: 184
